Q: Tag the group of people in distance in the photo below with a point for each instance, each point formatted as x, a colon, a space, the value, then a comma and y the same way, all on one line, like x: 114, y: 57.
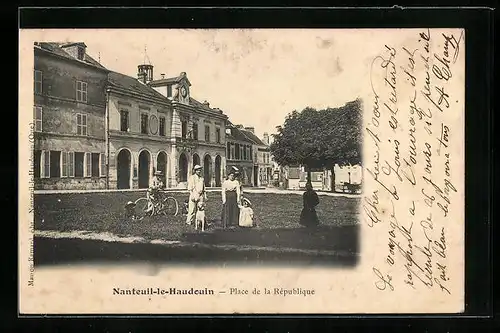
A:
x: 236, y: 210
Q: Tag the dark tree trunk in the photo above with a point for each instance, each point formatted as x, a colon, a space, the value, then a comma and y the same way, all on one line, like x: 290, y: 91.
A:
x: 308, y: 168
x: 333, y: 179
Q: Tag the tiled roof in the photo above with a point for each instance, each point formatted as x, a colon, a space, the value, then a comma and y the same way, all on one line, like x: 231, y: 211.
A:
x: 253, y: 137
x: 166, y: 81
x: 198, y: 104
x: 55, y: 47
x: 132, y: 84
x: 237, y: 135
x: 170, y: 80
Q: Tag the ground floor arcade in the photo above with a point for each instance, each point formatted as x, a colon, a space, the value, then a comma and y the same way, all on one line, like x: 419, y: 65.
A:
x: 133, y: 164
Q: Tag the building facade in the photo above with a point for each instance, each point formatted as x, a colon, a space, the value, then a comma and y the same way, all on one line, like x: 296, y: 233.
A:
x: 99, y: 129
x: 69, y: 118
x: 239, y: 153
x: 197, y: 133
x: 264, y: 162
x: 140, y: 133
x: 262, y: 166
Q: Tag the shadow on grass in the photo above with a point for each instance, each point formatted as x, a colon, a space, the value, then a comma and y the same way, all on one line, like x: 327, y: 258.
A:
x: 77, y: 251
x: 329, y: 238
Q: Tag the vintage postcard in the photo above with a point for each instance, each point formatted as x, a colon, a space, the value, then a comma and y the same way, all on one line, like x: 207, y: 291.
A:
x: 252, y: 171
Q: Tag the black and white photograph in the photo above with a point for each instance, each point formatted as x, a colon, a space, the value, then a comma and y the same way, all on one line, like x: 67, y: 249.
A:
x: 320, y: 157
x: 126, y: 155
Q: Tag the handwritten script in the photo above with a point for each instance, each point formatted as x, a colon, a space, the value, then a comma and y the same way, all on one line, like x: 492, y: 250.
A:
x: 411, y: 139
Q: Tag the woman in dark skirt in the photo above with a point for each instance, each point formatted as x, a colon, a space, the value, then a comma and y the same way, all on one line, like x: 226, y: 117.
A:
x: 308, y: 217
x: 231, y: 196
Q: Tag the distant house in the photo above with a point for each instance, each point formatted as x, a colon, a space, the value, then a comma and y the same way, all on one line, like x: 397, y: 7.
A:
x: 239, y: 153
x: 262, y: 165
x: 321, y: 179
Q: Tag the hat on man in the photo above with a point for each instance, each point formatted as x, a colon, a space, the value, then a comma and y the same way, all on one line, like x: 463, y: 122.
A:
x: 197, y: 167
x: 234, y: 170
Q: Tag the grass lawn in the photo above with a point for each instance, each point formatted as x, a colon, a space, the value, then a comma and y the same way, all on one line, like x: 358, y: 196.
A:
x: 277, y: 216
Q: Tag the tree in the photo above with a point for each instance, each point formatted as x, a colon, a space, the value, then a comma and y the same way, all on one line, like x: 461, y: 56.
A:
x: 320, y: 138
x: 297, y: 141
x: 342, y: 128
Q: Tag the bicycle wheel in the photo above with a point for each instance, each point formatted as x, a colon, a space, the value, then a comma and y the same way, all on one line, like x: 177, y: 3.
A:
x: 170, y: 206
x: 142, y: 205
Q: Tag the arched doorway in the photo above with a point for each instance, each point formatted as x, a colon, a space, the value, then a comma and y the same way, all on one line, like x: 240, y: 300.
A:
x: 196, y: 159
x: 207, y: 170
x: 218, y: 162
x: 144, y: 161
x: 123, y: 169
x: 183, y: 168
x: 161, y: 165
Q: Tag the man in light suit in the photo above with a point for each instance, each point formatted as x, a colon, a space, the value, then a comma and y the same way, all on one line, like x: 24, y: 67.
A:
x: 196, y: 188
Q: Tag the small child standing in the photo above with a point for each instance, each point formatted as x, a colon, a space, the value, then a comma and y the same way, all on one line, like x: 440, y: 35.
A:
x: 246, y: 214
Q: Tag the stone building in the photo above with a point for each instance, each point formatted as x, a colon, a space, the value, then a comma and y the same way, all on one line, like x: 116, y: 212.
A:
x: 197, y: 132
x: 68, y: 117
x: 240, y: 152
x: 99, y: 129
x: 261, y: 158
x: 264, y: 162
x: 140, y: 132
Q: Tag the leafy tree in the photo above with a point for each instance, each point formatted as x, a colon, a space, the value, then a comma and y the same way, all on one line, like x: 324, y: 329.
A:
x: 297, y: 141
x: 319, y: 139
x: 342, y: 128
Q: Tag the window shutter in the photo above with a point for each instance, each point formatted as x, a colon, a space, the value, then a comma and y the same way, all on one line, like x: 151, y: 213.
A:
x: 103, y: 165
x: 88, y: 164
x: 64, y: 167
x: 71, y: 164
x: 46, y: 164
x: 78, y: 124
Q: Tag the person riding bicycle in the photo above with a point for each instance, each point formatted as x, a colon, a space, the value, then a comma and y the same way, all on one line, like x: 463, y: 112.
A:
x: 154, y: 190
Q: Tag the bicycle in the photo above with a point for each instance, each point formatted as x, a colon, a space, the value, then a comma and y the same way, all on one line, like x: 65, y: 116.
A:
x: 147, y: 206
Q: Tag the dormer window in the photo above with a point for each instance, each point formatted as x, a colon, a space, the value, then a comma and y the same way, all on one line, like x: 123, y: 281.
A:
x: 81, y: 53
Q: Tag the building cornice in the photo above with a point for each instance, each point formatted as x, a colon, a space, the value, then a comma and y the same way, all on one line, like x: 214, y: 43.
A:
x: 140, y: 137
x: 68, y: 100
x: 144, y: 98
x: 68, y: 135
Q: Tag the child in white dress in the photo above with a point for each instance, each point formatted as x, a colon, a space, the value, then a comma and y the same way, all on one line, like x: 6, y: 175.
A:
x: 246, y: 214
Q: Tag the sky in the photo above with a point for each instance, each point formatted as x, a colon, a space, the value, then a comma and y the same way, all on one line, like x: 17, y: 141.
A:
x: 256, y: 77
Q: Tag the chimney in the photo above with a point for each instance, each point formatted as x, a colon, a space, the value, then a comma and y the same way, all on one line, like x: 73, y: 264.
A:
x: 205, y: 103
x: 265, y: 138
x: 76, y: 50
x: 250, y: 129
x: 162, y: 76
x: 145, y: 73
